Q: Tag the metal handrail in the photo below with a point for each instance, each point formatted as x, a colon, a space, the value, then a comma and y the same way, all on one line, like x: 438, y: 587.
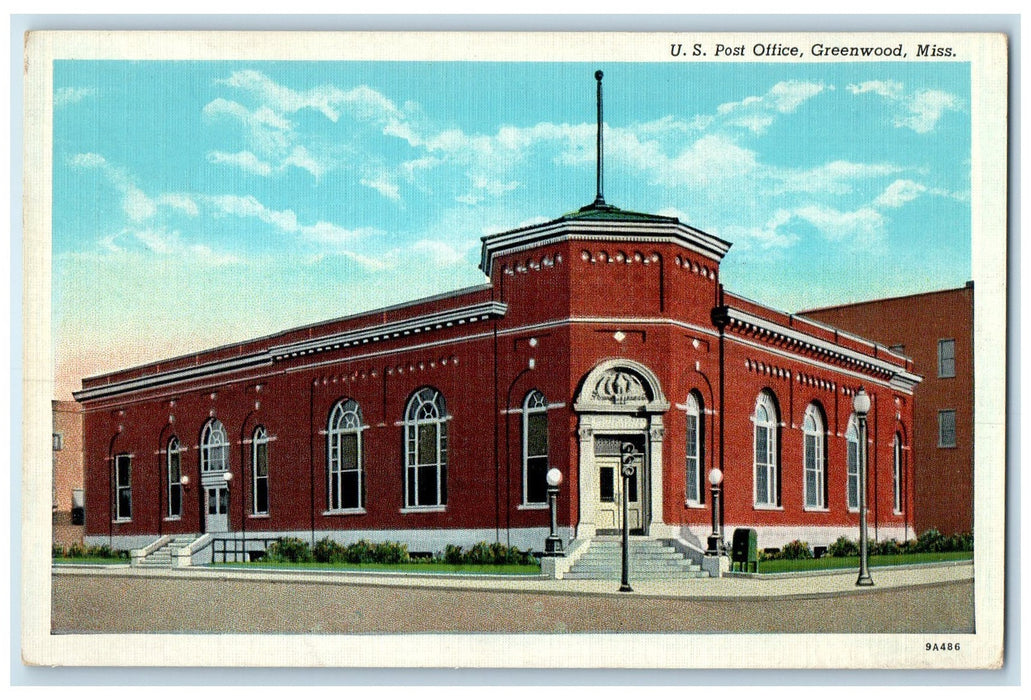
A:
x: 235, y: 546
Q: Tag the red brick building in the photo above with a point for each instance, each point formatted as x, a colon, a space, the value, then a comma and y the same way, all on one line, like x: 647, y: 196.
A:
x: 936, y: 329
x: 68, y: 473
x: 434, y: 422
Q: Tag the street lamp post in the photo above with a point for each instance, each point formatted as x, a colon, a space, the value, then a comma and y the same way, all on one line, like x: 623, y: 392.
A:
x: 627, y: 469
x: 716, y: 538
x: 861, y: 405
x: 553, y: 544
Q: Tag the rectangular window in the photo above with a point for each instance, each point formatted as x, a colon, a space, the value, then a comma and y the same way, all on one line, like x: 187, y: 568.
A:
x: 123, y: 487
x: 607, y: 484
x: 853, y: 475
x: 897, y: 473
x: 261, y: 478
x: 175, y: 485
x: 58, y: 442
x: 947, y: 358
x: 946, y: 428
x: 536, y: 457
x: 345, y: 484
x: 813, y: 472
x: 693, y: 477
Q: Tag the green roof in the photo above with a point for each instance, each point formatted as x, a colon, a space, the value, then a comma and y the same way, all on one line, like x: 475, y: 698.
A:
x: 607, y: 212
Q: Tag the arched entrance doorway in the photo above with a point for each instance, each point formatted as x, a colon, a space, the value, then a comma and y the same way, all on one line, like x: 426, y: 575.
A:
x: 619, y: 408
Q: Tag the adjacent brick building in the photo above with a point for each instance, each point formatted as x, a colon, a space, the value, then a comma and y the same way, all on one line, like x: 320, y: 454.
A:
x: 936, y: 330
x: 68, y: 472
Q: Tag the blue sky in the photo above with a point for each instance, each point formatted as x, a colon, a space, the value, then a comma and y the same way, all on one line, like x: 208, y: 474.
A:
x: 198, y: 203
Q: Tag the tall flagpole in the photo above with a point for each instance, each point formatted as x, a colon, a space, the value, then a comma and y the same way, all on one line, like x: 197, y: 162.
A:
x: 599, y: 199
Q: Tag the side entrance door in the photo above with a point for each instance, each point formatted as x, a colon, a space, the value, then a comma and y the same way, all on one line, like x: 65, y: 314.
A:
x: 608, y: 460
x: 216, y: 512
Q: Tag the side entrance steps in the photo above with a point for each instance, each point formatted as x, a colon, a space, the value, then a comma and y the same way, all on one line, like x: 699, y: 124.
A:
x: 160, y: 556
x: 650, y: 560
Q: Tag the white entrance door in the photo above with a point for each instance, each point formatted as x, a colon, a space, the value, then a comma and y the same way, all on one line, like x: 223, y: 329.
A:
x: 216, y: 518
x: 611, y: 493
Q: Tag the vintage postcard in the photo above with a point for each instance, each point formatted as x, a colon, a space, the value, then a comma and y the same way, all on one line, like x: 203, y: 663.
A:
x: 672, y: 350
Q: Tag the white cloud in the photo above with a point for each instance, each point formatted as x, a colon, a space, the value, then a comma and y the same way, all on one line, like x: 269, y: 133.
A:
x: 835, y: 177
x: 919, y: 110
x: 863, y: 224
x: 244, y: 160
x: 300, y: 158
x: 898, y: 193
x: 885, y: 88
x: 438, y: 253
x: 88, y: 160
x: 757, y: 113
x: 70, y: 95
x: 249, y: 207
x: 385, y: 187
x: 769, y: 236
x: 182, y: 202
x: 925, y: 108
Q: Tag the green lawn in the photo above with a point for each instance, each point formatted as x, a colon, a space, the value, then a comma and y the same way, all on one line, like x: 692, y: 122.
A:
x: 413, y: 568
x: 777, y: 566
x: 90, y: 560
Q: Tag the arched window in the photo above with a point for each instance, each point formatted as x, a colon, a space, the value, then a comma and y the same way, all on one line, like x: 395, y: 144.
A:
x: 813, y: 451
x: 695, y: 430
x: 214, y: 448
x: 897, y: 472
x: 175, y: 478
x: 852, y: 447
x: 425, y: 450
x: 345, y: 457
x: 259, y: 471
x: 535, y: 448
x: 767, y: 462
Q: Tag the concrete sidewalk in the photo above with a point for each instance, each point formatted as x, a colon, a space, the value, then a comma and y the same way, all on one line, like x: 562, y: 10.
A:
x: 817, y: 584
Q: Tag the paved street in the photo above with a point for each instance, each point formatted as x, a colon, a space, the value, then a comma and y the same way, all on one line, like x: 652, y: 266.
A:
x: 934, y: 600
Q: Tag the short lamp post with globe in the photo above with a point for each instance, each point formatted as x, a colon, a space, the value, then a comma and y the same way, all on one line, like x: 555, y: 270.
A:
x: 553, y: 543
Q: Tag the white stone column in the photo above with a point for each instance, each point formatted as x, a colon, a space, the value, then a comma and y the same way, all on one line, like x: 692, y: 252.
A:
x: 656, y: 525
x: 587, y: 498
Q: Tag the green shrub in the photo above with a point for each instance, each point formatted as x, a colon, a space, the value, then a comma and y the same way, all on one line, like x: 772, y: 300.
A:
x: 962, y: 542
x: 391, y: 553
x: 843, y: 547
x: 453, y: 554
x: 75, y: 550
x: 56, y: 551
x: 797, y: 549
x: 360, y: 552
x: 931, y: 541
x: 328, y: 551
x: 289, y: 549
x: 885, y: 547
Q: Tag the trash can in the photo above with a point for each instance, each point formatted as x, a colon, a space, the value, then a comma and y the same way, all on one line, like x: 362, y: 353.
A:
x: 745, y: 550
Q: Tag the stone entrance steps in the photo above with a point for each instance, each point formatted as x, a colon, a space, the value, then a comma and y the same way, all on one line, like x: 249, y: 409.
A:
x: 161, y: 558
x: 650, y: 560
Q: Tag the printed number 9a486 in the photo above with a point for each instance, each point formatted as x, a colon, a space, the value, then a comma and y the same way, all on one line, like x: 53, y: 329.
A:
x: 941, y: 646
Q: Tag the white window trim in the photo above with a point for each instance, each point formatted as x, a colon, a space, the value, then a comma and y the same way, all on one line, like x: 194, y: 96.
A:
x: 772, y: 465
x: 527, y: 411
x: 422, y: 509
x: 119, y: 518
x: 897, y: 475
x: 941, y: 342
x: 208, y: 443
x: 853, y: 423
x: 694, y: 407
x: 257, y: 442
x: 955, y: 442
x: 820, y: 461
x: 335, y: 429
x: 344, y: 511
x: 169, y: 452
x: 411, y: 426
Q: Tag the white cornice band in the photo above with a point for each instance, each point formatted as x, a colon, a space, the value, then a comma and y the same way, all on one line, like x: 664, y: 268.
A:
x: 361, y: 336
x: 900, y: 378
x: 613, y: 232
